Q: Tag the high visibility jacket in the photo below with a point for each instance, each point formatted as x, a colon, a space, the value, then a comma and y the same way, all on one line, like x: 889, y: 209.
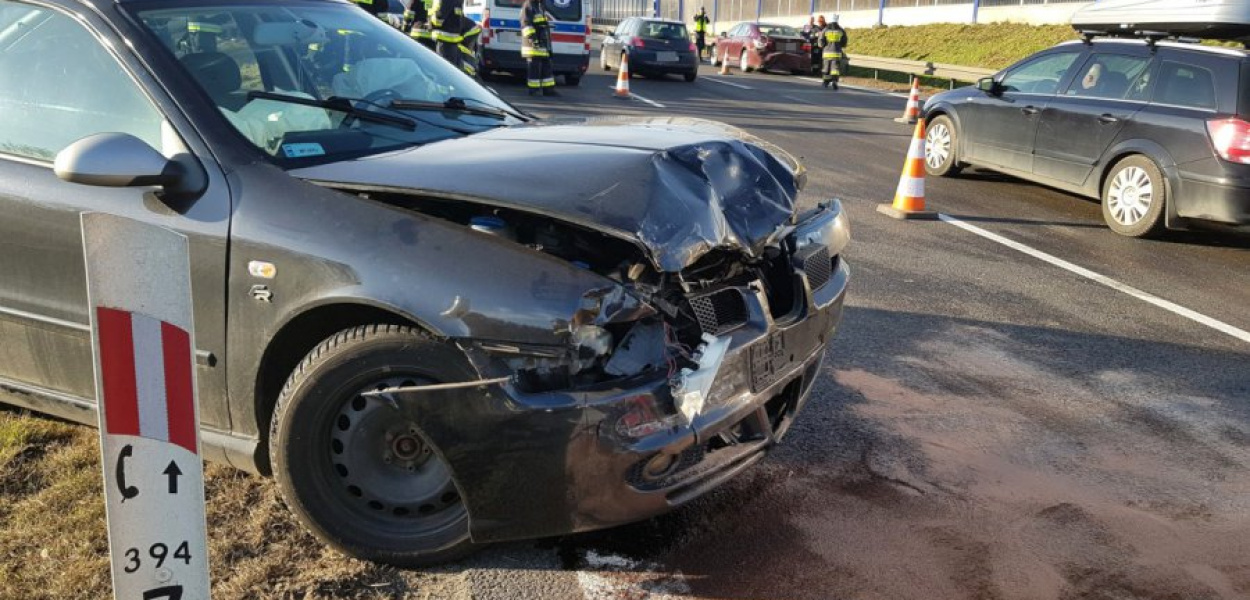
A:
x: 833, y: 40
x: 447, y: 21
x: 373, y: 7
x: 535, y: 30
x: 700, y: 23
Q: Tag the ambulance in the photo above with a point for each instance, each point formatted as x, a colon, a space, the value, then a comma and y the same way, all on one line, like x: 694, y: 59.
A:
x: 500, y: 44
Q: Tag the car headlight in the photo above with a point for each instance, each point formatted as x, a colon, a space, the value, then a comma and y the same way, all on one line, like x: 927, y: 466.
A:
x: 828, y: 226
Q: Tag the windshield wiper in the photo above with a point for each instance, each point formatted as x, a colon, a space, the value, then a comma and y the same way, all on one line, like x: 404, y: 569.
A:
x: 341, y: 104
x: 458, y: 104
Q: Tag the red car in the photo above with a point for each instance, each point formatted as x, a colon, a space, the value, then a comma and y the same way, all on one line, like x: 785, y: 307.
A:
x: 766, y: 47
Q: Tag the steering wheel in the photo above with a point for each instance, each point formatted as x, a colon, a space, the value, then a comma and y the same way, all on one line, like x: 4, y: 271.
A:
x: 379, y: 97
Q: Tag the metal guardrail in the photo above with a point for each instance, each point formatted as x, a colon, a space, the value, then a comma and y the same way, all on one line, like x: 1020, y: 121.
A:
x: 919, y: 67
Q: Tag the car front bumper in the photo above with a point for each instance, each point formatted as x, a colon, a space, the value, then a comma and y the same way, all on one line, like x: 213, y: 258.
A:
x: 536, y: 465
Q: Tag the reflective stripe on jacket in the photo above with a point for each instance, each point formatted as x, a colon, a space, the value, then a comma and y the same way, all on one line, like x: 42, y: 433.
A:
x: 535, y: 31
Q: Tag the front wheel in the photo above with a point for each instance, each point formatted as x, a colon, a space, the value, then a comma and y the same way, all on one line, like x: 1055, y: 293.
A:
x: 1134, y: 196
x: 603, y: 61
x: 940, y: 157
x: 358, y: 471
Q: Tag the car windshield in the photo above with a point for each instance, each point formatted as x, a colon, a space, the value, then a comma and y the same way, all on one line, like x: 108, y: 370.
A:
x: 315, y: 81
x: 658, y: 30
x: 779, y: 31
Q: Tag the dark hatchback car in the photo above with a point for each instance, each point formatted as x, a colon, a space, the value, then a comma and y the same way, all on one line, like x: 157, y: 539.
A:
x: 1159, y: 132
x: 766, y: 47
x: 436, y: 321
x: 654, y: 47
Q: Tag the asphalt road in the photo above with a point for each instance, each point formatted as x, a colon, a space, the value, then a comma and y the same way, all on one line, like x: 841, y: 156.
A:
x: 987, y: 425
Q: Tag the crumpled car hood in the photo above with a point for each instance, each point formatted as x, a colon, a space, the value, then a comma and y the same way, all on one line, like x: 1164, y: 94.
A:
x: 677, y: 187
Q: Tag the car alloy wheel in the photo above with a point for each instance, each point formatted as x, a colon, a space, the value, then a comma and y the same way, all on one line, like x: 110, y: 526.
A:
x: 742, y: 62
x: 1130, y: 196
x: 603, y: 60
x: 937, y: 143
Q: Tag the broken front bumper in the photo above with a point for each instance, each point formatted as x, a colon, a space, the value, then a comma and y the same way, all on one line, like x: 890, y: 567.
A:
x: 535, y: 465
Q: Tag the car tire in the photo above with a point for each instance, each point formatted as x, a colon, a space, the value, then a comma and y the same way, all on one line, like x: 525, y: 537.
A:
x: 743, y: 63
x: 1134, y: 197
x: 603, y: 61
x: 690, y: 77
x: 393, y: 502
x: 941, y: 148
x: 572, y: 80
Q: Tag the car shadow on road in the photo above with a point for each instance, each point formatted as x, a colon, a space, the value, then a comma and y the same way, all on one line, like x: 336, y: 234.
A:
x: 941, y: 456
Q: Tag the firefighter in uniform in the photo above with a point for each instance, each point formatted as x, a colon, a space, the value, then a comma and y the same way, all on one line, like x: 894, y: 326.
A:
x: 700, y: 30
x: 832, y: 50
x: 536, y: 48
x: 420, y: 28
x: 447, y: 25
x: 201, y: 36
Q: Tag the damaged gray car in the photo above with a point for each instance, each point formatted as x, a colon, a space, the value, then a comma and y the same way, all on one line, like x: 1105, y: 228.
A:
x: 435, y: 320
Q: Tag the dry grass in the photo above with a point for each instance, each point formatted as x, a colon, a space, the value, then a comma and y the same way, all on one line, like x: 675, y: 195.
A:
x: 53, y: 540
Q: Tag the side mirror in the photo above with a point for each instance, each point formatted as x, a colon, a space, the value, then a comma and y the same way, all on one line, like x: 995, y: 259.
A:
x: 610, y: 33
x: 989, y: 86
x: 724, y: 34
x: 117, y: 160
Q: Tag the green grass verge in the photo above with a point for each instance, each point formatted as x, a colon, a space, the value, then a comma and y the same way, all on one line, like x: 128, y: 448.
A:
x: 989, y: 46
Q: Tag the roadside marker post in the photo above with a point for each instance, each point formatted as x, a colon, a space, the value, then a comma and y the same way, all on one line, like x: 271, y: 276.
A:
x: 139, y: 293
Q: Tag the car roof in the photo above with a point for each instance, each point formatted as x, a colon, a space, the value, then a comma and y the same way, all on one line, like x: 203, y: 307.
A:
x: 1109, y: 41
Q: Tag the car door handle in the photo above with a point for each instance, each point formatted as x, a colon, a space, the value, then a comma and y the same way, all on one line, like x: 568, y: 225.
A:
x: 1108, y: 119
x: 1029, y: 110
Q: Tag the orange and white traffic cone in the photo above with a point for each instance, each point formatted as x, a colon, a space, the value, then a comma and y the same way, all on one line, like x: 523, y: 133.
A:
x: 909, y: 197
x: 622, y: 78
x: 911, y: 114
x: 724, y: 63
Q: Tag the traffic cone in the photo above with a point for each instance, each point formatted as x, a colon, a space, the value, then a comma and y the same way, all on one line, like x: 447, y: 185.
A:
x: 724, y: 63
x: 911, y: 114
x: 909, y: 197
x: 622, y: 78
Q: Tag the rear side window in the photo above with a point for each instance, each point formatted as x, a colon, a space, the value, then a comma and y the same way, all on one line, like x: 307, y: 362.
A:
x: 1114, y: 76
x: 1187, y: 85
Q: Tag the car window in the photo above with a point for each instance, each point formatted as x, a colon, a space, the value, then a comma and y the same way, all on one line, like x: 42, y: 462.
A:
x: 562, y: 10
x: 1115, y: 76
x: 628, y: 27
x: 779, y: 30
x: 59, y: 84
x: 740, y: 30
x: 1040, y: 75
x: 1187, y: 85
x: 664, y: 31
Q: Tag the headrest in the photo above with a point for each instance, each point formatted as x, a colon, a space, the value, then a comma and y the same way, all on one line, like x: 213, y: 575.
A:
x: 216, y: 72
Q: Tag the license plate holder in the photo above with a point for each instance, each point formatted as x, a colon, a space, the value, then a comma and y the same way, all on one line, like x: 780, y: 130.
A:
x: 666, y: 57
x: 770, y: 357
x: 508, y: 37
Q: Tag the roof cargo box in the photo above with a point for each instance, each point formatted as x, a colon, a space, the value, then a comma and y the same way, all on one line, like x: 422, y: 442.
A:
x: 1212, y: 19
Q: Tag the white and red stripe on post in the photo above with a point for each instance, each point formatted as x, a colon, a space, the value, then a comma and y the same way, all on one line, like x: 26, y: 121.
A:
x: 139, y: 291
x: 147, y: 377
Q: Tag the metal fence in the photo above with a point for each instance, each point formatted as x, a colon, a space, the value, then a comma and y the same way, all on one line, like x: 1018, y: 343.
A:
x: 610, y: 12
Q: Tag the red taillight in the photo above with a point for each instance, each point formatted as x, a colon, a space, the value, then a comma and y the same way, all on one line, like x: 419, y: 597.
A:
x: 807, y: 47
x: 693, y: 48
x: 486, y: 26
x: 1231, y: 138
x: 638, y: 43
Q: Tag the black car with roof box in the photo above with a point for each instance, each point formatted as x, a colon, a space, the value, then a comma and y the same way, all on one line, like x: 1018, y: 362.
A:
x: 1158, y: 129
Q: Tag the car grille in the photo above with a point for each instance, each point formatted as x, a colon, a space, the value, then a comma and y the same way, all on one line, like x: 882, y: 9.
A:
x: 818, y: 268
x: 720, y: 311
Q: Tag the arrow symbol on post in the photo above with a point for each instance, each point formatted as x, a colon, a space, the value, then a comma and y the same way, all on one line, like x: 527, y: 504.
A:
x: 173, y: 472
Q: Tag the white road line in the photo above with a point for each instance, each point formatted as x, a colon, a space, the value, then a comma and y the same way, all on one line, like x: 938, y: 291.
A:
x: 611, y: 577
x: 859, y: 88
x: 799, y: 100
x: 729, y: 83
x: 640, y: 98
x: 1147, y: 297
